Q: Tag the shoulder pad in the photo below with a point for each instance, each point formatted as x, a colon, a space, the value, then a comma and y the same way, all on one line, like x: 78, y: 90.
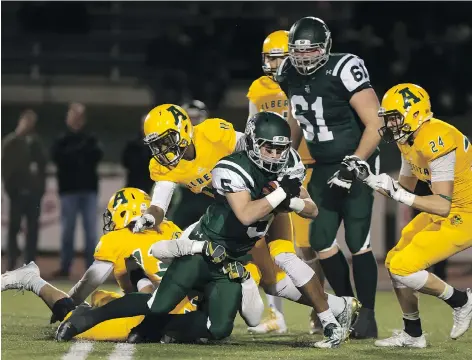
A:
x: 215, y: 129
x: 157, y: 172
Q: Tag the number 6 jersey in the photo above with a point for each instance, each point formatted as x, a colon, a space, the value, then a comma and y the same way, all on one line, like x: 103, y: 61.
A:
x: 320, y: 103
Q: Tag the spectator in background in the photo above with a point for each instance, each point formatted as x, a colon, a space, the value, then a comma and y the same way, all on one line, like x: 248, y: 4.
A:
x: 76, y: 155
x: 24, y: 178
x: 135, y: 159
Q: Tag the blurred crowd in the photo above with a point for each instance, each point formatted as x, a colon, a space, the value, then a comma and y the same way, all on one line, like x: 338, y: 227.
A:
x: 193, y: 50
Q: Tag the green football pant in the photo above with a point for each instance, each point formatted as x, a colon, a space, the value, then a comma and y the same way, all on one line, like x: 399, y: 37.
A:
x: 223, y: 296
x: 335, y: 205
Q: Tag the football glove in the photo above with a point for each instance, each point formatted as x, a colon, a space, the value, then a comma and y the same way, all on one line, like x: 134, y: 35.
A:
x: 393, y: 189
x: 213, y: 252
x: 145, y: 222
x: 361, y: 170
x: 290, y: 186
x: 236, y: 271
x: 342, y: 178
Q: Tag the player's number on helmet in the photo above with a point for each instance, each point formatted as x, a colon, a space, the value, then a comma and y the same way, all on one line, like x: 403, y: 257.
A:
x: 301, y: 106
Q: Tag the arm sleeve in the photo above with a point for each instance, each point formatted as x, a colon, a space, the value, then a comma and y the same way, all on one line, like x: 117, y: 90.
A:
x: 240, y: 141
x: 95, y: 275
x: 162, y: 194
x: 442, y: 168
x: 252, y: 109
x: 405, y: 169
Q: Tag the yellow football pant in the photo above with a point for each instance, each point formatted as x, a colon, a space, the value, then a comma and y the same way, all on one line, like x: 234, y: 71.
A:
x: 429, y: 239
x: 263, y: 268
x: 118, y: 329
x: 302, y: 226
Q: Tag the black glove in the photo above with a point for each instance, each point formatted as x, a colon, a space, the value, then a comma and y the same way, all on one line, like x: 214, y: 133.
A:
x: 290, y: 186
x: 343, y: 177
x: 214, y: 252
x: 134, y: 270
x: 359, y: 168
x: 236, y: 271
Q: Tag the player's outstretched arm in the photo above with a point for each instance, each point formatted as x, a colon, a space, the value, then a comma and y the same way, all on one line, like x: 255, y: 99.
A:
x: 161, y: 196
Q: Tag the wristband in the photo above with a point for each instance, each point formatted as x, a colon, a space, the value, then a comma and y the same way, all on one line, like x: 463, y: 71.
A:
x: 276, y: 197
x: 297, y: 204
x: 197, y: 247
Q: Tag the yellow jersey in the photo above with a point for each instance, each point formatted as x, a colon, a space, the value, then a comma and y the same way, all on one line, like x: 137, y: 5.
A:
x: 267, y: 95
x: 436, y: 138
x: 213, y: 140
x: 117, y: 245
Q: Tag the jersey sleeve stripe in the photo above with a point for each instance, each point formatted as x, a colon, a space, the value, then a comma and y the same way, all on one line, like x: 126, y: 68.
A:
x: 238, y: 169
x: 296, y: 156
x: 341, y: 63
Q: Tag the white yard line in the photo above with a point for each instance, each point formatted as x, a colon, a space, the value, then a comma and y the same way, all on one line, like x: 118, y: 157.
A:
x: 78, y: 351
x: 122, y: 351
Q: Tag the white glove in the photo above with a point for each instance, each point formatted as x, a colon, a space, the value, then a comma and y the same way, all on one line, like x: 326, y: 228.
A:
x: 393, y: 189
x: 361, y: 170
x: 145, y: 222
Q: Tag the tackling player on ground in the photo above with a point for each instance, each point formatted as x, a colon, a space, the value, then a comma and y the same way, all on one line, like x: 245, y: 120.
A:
x: 333, y: 105
x: 265, y: 95
x: 439, y: 154
x: 235, y: 222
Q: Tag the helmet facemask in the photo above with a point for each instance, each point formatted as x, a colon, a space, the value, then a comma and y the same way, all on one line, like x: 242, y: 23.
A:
x: 308, y: 57
x: 259, y: 149
x: 394, y: 129
x: 167, y: 148
x: 108, y: 224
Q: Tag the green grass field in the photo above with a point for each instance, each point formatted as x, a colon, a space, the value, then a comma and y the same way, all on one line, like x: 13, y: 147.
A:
x: 26, y: 334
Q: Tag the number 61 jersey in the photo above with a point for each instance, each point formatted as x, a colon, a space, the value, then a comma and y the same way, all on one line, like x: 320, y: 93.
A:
x: 320, y: 103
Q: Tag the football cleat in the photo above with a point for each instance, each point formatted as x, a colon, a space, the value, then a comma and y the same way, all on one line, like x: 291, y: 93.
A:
x: 334, y: 336
x: 402, y: 339
x: 21, y: 278
x: 315, y: 323
x: 462, y: 317
x: 365, y: 326
x: 66, y: 330
x: 274, y: 323
x: 349, y: 315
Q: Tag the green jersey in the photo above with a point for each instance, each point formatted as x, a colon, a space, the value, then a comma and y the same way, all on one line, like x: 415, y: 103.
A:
x: 235, y: 173
x: 320, y: 103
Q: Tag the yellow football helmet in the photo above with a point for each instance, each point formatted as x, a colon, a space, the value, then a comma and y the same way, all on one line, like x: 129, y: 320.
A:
x: 125, y: 206
x: 168, y: 131
x: 275, y: 47
x: 404, y: 108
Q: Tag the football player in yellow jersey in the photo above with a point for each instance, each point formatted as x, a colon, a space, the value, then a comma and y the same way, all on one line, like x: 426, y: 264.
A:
x: 117, y: 243
x: 186, y: 154
x: 435, y: 152
x: 265, y: 95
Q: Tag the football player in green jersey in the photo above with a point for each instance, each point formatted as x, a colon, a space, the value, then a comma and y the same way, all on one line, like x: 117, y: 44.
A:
x: 238, y: 219
x: 333, y: 105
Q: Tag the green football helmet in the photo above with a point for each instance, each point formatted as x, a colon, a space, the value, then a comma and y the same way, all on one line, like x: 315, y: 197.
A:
x: 271, y: 131
x: 309, y: 44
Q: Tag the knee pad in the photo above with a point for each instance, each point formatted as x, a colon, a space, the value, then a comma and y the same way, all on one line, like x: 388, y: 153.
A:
x: 285, y: 289
x: 299, y: 272
x: 396, y: 284
x: 414, y: 281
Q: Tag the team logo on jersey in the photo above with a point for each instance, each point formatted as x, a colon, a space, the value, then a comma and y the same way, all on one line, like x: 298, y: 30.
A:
x: 307, y: 89
x: 456, y: 220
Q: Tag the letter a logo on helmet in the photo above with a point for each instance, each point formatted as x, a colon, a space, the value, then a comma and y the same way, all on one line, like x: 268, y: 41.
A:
x: 178, y: 115
x: 120, y: 199
x: 407, y: 96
